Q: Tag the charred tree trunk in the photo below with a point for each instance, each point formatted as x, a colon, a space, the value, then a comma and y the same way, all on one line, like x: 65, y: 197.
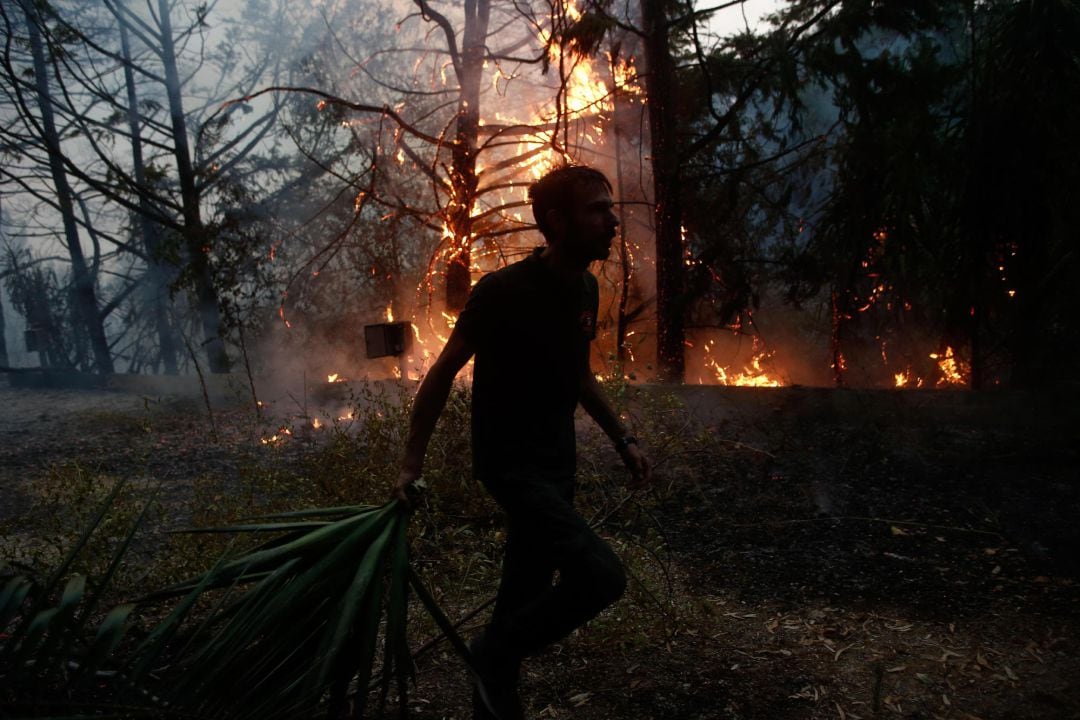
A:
x: 195, y: 235
x: 622, y: 321
x: 3, y: 333
x: 463, y: 181
x: 84, y: 294
x: 3, y: 326
x: 667, y: 188
x: 158, y: 273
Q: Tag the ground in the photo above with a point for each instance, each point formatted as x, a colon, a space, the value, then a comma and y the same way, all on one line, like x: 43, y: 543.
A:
x: 807, y: 553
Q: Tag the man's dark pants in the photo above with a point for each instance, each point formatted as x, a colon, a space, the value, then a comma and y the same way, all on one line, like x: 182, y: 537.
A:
x: 545, y: 533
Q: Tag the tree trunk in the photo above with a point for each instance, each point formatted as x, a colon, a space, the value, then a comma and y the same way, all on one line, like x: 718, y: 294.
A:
x: 157, y: 273
x: 667, y: 187
x: 195, y: 235
x: 84, y: 295
x: 463, y: 178
x: 4, y: 362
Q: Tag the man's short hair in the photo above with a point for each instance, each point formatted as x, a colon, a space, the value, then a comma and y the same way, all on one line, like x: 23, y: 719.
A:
x: 556, y: 190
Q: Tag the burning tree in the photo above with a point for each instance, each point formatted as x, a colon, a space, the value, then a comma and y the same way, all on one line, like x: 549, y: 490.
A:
x: 505, y: 93
x: 895, y: 210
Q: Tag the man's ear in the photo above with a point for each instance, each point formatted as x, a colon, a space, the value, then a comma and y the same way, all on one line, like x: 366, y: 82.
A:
x: 556, y: 222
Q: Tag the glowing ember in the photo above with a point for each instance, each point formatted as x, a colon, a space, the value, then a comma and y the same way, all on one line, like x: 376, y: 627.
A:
x: 316, y: 423
x: 282, y: 435
x: 335, y: 378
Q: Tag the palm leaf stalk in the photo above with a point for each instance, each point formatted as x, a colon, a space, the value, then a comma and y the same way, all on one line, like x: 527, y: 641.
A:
x: 298, y: 622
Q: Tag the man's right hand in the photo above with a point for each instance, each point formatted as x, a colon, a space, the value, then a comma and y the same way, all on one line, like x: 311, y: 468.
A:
x: 405, y: 491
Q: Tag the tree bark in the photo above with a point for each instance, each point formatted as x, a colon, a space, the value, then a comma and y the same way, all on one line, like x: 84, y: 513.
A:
x: 667, y: 187
x: 463, y: 181
x: 158, y: 274
x: 195, y: 235
x: 84, y: 295
x: 4, y: 361
x: 3, y: 333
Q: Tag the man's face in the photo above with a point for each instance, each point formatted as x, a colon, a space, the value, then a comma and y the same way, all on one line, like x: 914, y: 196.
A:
x: 591, y: 224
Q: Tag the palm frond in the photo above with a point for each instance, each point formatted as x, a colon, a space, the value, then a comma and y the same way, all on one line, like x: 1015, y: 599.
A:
x: 301, y: 627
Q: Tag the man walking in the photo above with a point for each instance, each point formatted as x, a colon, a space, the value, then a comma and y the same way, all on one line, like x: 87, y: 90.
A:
x: 529, y: 326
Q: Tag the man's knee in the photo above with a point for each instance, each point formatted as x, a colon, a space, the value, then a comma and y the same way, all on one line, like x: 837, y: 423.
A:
x: 603, y: 576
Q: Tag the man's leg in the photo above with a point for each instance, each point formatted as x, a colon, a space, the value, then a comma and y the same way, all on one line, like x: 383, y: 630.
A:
x: 526, y: 575
x: 548, y: 532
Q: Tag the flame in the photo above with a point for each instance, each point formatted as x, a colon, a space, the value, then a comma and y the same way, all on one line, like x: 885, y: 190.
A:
x: 906, y: 379
x: 753, y: 373
x: 390, y: 313
x: 335, y: 378
x: 316, y: 423
x: 954, y: 371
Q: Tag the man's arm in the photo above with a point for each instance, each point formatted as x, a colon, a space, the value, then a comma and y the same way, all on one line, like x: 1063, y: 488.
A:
x: 593, y: 400
x: 429, y: 404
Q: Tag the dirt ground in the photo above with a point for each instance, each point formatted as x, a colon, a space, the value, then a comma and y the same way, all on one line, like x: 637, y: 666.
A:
x: 827, y: 554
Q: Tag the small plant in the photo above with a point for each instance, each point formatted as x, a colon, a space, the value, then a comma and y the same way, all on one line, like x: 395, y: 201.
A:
x: 49, y: 660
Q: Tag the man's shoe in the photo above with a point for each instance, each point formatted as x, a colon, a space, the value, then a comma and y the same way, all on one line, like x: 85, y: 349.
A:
x: 494, y: 684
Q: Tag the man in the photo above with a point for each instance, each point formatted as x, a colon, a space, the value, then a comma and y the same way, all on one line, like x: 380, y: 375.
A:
x: 529, y: 326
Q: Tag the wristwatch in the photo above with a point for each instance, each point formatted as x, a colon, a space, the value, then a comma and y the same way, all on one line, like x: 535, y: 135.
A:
x: 625, y: 441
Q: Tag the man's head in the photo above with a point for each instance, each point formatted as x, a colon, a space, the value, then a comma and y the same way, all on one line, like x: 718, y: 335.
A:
x: 572, y: 207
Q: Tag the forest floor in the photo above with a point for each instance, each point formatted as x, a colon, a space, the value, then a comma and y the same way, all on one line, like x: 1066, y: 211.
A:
x: 807, y: 553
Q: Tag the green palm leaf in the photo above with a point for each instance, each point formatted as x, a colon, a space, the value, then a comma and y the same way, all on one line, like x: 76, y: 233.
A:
x: 304, y: 627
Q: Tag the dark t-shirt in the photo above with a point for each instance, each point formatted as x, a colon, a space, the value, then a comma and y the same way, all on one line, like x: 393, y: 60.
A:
x: 531, y: 329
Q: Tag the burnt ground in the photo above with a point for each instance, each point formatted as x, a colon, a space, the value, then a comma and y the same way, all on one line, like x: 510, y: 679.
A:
x: 809, y: 553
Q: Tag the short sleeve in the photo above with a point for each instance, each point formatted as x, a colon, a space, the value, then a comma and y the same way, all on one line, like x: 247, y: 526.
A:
x: 478, y: 319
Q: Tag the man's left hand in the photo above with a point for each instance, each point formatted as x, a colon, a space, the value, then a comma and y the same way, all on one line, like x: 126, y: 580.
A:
x: 638, y: 464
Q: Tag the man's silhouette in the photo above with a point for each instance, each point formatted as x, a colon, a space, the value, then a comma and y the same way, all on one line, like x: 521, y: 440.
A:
x: 529, y: 326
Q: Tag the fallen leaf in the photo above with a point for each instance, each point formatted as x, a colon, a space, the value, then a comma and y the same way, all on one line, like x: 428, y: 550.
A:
x: 897, y: 531
x: 580, y: 699
x: 898, y: 668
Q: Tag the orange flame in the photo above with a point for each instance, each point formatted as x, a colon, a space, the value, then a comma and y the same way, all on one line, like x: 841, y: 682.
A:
x: 753, y: 374
x: 954, y: 371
